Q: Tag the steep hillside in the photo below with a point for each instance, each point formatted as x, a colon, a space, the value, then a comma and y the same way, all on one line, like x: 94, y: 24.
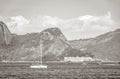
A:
x: 5, y: 34
x: 105, y: 47
x: 27, y: 47
x: 5, y: 39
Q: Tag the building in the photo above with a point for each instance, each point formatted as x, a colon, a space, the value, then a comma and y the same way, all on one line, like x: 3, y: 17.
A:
x: 77, y: 59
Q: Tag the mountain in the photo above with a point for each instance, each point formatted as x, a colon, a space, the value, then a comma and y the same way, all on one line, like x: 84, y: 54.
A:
x: 56, y: 46
x: 5, y: 39
x: 104, y: 47
x: 5, y: 34
x: 27, y: 47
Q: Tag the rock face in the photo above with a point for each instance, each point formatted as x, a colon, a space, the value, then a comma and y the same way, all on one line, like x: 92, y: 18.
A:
x: 54, y: 43
x: 5, y: 34
x: 27, y: 47
x: 5, y: 40
x: 105, y: 47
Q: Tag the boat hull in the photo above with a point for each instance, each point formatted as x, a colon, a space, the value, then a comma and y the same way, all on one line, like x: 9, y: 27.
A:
x: 38, y: 66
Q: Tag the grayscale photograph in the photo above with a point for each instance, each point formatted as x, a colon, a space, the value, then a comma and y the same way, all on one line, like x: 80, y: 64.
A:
x: 59, y: 39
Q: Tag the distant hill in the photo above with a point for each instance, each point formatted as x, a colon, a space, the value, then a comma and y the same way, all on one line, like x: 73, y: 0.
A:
x: 105, y: 47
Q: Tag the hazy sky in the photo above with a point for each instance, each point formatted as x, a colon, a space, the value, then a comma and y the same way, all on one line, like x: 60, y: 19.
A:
x: 76, y: 18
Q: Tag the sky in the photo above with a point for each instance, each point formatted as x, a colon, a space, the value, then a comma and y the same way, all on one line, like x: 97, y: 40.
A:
x: 77, y: 19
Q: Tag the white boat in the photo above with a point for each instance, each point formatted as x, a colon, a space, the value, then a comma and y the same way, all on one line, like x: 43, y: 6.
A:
x: 39, y: 65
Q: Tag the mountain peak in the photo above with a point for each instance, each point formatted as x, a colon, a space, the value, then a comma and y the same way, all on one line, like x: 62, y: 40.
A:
x: 117, y: 30
x: 53, y: 31
x: 5, y: 34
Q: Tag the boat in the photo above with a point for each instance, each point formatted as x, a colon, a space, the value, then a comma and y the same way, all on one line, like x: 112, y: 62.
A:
x: 40, y: 63
x: 38, y: 66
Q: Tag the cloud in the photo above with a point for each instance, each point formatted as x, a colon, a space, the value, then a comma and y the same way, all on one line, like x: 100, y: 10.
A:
x: 19, y: 20
x: 88, y: 26
x: 96, y: 25
x: 40, y: 23
x: 16, y: 24
x: 81, y: 27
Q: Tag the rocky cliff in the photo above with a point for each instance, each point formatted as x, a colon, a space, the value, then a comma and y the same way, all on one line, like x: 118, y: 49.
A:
x: 27, y: 47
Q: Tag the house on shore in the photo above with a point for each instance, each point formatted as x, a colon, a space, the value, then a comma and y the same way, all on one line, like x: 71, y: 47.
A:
x: 77, y: 59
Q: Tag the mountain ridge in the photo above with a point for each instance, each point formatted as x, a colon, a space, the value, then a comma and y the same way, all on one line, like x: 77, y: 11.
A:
x: 56, y: 46
x: 105, y: 46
